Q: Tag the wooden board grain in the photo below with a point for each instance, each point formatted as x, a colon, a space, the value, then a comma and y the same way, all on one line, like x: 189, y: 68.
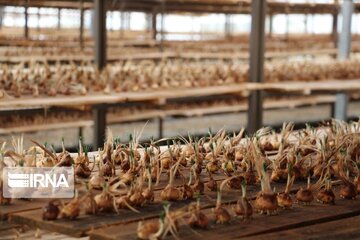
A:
x: 84, y: 223
x: 260, y: 225
x: 347, y: 228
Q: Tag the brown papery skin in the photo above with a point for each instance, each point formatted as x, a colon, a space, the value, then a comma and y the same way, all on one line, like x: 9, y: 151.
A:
x: 148, y: 194
x: 222, y: 216
x: 326, y: 196
x: 212, y: 185
x: 348, y: 191
x: 266, y: 202
x: 82, y: 171
x: 187, y: 192
x: 250, y: 178
x: 71, y: 210
x: 50, y: 212
x: 137, y: 199
x: 104, y: 201
x: 304, y: 195
x: 147, y: 229
x: 198, y: 187
x: 243, y: 208
x: 279, y: 175
x: 170, y: 194
x: 198, y: 220
x: 284, y: 200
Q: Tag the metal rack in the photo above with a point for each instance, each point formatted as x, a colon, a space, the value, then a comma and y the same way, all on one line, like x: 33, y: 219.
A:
x: 258, y: 9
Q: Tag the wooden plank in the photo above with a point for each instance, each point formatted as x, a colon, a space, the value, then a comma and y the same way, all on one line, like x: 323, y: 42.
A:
x: 115, y: 118
x: 25, y: 233
x: 84, y: 223
x: 308, y: 87
x: 98, y: 98
x: 268, y: 104
x: 45, y: 127
x: 4, y: 225
x: 20, y: 205
x: 164, y: 55
x: 298, y: 216
x: 347, y: 228
x: 243, y: 88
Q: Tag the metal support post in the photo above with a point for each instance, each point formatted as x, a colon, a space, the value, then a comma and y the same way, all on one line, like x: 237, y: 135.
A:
x: 122, y: 23
x: 256, y: 71
x: 99, y: 117
x: 154, y: 25
x: 59, y: 18
x: 335, y: 29
x: 227, y: 26
x: 271, y: 21
x: 2, y: 12
x: 161, y: 128
x: 344, y: 47
x: 26, y: 26
x: 99, y: 112
x: 81, y: 30
x: 162, y: 26
x: 38, y: 20
x: 100, y: 33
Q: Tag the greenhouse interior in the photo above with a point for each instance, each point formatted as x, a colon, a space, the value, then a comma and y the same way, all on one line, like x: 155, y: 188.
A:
x: 179, y: 119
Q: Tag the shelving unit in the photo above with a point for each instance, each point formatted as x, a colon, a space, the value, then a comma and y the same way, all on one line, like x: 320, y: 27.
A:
x: 100, y: 102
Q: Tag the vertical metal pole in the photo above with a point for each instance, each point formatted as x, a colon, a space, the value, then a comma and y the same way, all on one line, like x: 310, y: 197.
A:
x: 256, y: 71
x: 271, y: 19
x: 59, y: 18
x: 335, y: 29
x: 122, y: 25
x: 162, y: 26
x: 161, y: 128
x: 148, y: 22
x: 99, y: 116
x: 1, y: 16
x: 227, y: 26
x: 306, y: 18
x: 345, y: 36
x: 287, y: 25
x: 154, y: 25
x: 38, y: 20
x: 344, y: 48
x: 81, y: 30
x: 100, y: 33
x: 99, y: 112
x: 26, y: 26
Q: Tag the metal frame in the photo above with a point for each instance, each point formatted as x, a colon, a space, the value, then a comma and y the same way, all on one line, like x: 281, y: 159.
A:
x: 154, y: 24
x: 340, y: 108
x: 26, y: 25
x: 59, y: 18
x: 227, y: 27
x: 99, y: 111
x: 81, y: 28
x: 335, y: 29
x: 162, y: 33
x: 256, y: 71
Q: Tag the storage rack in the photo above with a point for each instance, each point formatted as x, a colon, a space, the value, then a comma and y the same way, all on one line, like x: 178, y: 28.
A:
x: 100, y: 103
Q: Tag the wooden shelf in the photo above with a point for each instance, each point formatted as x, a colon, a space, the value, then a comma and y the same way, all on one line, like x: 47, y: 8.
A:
x: 114, y: 118
x: 45, y: 127
x: 168, y: 54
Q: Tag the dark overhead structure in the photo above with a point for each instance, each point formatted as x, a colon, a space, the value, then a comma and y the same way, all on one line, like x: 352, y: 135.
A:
x: 195, y: 6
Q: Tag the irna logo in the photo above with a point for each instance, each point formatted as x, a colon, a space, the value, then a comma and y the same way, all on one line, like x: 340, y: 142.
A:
x: 28, y: 182
x: 19, y: 180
